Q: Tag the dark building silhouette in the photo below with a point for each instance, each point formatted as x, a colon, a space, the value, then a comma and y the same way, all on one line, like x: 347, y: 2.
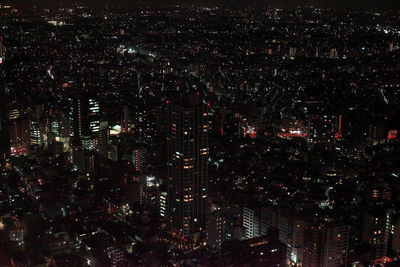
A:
x: 188, y: 151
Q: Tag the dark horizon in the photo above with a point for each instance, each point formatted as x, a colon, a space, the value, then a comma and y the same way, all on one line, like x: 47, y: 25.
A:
x: 337, y: 4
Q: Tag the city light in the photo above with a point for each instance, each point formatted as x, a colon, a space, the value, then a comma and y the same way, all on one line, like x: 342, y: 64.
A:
x: 200, y: 135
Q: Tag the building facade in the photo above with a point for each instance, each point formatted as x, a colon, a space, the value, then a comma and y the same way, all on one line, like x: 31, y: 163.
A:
x: 187, y: 148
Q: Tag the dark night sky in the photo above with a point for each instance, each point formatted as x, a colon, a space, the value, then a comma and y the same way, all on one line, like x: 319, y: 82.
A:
x: 230, y: 3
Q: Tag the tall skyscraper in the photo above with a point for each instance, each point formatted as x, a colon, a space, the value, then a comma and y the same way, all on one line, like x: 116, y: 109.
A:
x: 138, y: 158
x: 376, y: 231
x: 291, y: 232
x: 125, y: 120
x: 4, y: 140
x: 188, y: 153
x: 36, y: 131
x: 396, y: 236
x: 326, y: 245
x: 86, y: 116
x: 94, y: 115
x: 20, y: 137
x: 257, y: 220
x: 251, y: 222
x: 2, y: 51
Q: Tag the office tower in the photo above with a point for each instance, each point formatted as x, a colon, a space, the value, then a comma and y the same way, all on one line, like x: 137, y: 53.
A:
x: 125, y: 120
x: 321, y: 128
x: 163, y: 203
x: 70, y: 114
x: 86, y: 116
x: 335, y: 242
x: 216, y: 233
x: 376, y: 231
x: 90, y: 142
x: 312, y: 246
x: 379, y: 192
x: 94, y: 115
x: 4, y: 136
x: 13, y: 114
x: 259, y: 251
x: 116, y: 256
x: 187, y: 148
x: 326, y: 245
x: 79, y: 118
x: 138, y: 158
x: 269, y: 219
x: 60, y: 126
x: 251, y: 222
x: 36, y: 131
x: 113, y: 153
x: 2, y: 51
x: 4, y: 141
x: 78, y: 154
x: 258, y: 220
x: 20, y: 137
x: 396, y: 236
x: 55, y: 127
x: 104, y: 138
x: 145, y: 125
x: 291, y: 230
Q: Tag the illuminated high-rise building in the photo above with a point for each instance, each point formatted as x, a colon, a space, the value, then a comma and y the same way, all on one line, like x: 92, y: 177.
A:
x: 326, y: 245
x: 396, y: 236
x: 188, y: 151
x: 258, y: 220
x: 163, y: 203
x: 291, y: 229
x: 20, y: 137
x: 323, y: 128
x: 79, y: 116
x: 145, y: 126
x: 138, y: 158
x: 104, y: 137
x: 376, y: 232
x: 13, y: 114
x: 4, y: 140
x: 78, y: 154
x: 94, y: 115
x: 86, y: 116
x: 251, y: 223
x: 36, y: 131
x: 2, y: 51
x: 125, y: 120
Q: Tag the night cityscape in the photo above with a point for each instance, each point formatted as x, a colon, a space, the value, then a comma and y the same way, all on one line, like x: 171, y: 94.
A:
x: 199, y: 135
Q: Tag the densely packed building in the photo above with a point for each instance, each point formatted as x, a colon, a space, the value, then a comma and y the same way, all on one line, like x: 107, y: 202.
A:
x: 201, y: 136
